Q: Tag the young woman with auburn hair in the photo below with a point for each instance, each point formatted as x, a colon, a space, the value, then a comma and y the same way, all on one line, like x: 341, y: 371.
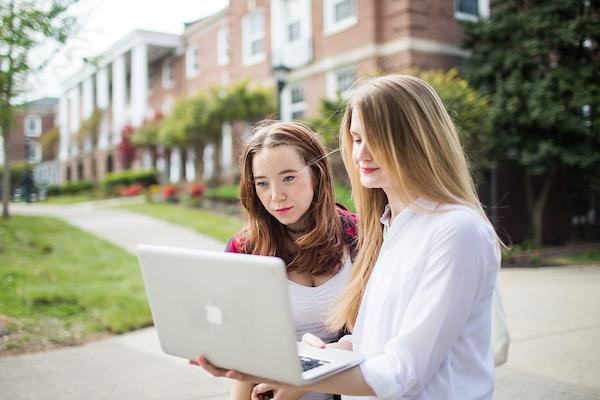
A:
x: 419, y: 300
x: 286, y: 190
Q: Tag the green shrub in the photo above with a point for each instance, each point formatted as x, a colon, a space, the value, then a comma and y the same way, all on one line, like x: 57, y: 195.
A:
x: 71, y: 188
x: 127, y: 178
x: 17, y: 170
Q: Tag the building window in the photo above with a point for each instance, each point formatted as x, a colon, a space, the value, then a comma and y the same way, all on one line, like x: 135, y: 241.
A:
x: 293, y: 31
x: 223, y: 46
x: 297, y: 103
x: 253, y: 37
x: 339, y: 15
x: 33, y: 125
x: 33, y: 152
x: 192, y: 62
x: 339, y: 82
x: 471, y: 10
x: 168, y: 78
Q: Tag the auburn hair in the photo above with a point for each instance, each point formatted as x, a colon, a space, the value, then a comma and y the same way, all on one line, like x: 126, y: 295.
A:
x: 409, y: 132
x: 320, y: 250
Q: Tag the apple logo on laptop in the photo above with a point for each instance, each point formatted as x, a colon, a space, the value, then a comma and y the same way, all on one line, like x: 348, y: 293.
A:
x: 214, y: 315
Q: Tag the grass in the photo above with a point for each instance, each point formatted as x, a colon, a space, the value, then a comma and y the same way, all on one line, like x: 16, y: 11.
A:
x: 343, y: 195
x: 221, y: 227
x: 62, y: 286
x: 229, y: 192
x: 70, y: 199
x: 586, y: 257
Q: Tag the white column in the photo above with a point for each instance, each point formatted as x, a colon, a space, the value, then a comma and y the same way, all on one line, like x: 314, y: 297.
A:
x: 175, y: 166
x: 209, y: 165
x: 139, y: 83
x: 87, y: 98
x: 226, y: 149
x: 190, y: 171
x: 118, y: 100
x: 74, y: 116
x: 63, y: 126
x: 87, y: 95
x: 102, y: 101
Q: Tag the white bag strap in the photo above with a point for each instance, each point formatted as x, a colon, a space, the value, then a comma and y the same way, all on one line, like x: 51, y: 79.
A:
x: 500, y: 334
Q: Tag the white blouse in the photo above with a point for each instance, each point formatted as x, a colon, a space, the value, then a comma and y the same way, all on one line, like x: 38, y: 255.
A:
x: 424, y: 322
x: 311, y: 306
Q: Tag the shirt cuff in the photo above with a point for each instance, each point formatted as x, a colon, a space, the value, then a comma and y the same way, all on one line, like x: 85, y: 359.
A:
x: 380, y: 374
x: 346, y: 338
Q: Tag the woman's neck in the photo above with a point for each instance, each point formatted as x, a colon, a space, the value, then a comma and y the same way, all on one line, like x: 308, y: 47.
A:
x: 395, y: 202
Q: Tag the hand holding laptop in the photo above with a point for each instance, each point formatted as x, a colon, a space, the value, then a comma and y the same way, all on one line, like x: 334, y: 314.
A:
x: 267, y: 389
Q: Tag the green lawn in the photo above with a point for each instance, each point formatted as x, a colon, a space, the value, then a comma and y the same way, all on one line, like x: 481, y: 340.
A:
x: 221, y: 227
x: 70, y: 199
x: 61, y: 286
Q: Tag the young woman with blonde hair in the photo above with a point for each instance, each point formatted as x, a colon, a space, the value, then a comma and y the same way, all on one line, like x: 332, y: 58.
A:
x: 286, y: 190
x: 419, y: 301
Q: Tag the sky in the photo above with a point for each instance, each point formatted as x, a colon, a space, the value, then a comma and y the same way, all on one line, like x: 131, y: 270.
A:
x: 103, y: 22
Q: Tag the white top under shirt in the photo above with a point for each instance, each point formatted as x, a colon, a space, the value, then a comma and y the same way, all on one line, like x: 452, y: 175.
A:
x: 311, y: 306
x: 424, y: 322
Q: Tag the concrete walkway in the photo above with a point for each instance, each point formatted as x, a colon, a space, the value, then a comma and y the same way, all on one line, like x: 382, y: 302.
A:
x: 129, y: 366
x: 554, y: 318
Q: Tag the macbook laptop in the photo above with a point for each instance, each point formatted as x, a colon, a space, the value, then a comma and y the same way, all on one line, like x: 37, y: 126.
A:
x: 235, y: 310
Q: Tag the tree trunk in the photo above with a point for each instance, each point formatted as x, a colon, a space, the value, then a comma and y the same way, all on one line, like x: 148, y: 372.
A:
x: 537, y: 204
x: 6, y: 170
x: 183, y: 159
x: 217, y: 161
x: 199, y: 162
x: 153, y: 156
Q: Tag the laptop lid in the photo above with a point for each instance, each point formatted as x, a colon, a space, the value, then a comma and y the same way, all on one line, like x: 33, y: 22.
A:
x: 232, y: 308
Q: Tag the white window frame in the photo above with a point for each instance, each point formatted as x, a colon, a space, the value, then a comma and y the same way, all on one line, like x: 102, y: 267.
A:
x: 223, y: 46
x: 332, y: 82
x: 37, y: 157
x: 37, y: 131
x: 248, y: 38
x: 168, y: 73
x: 192, y: 61
x: 483, y: 8
x: 299, y: 106
x: 330, y: 26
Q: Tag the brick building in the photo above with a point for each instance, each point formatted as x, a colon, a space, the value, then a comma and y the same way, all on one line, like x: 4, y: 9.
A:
x: 324, y: 44
x: 31, y: 122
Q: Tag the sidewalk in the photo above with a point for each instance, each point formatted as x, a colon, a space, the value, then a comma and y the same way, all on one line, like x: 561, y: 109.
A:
x: 129, y: 366
x: 553, y: 315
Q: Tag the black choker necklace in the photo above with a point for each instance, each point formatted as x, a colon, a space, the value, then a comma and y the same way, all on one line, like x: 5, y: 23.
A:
x: 296, y: 231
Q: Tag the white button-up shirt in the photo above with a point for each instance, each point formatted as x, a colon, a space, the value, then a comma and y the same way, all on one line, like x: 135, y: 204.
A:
x: 424, y: 322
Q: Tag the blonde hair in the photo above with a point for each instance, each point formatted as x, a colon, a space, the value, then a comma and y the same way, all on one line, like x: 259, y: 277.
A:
x: 412, y: 137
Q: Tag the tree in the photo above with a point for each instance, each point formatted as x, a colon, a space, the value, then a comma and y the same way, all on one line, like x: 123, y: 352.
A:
x: 24, y: 26
x: 538, y: 60
x: 468, y: 108
x: 471, y: 113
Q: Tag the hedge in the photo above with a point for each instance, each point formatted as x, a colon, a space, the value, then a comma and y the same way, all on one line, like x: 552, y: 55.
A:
x: 126, y: 178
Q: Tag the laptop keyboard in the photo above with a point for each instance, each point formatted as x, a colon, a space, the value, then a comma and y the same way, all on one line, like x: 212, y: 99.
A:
x: 310, y: 363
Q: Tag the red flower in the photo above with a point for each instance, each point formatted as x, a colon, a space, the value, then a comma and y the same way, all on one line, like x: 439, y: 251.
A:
x: 169, y: 192
x: 133, y: 190
x: 196, y: 190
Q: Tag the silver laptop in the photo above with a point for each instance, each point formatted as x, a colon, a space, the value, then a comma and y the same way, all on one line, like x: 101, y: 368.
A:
x: 234, y: 309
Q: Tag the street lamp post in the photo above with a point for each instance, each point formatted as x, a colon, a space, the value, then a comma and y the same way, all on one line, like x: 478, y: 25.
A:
x: 280, y: 72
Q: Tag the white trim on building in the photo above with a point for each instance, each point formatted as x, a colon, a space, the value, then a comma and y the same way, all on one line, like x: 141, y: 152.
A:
x: 339, y: 15
x: 32, y: 125
x: 253, y: 37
